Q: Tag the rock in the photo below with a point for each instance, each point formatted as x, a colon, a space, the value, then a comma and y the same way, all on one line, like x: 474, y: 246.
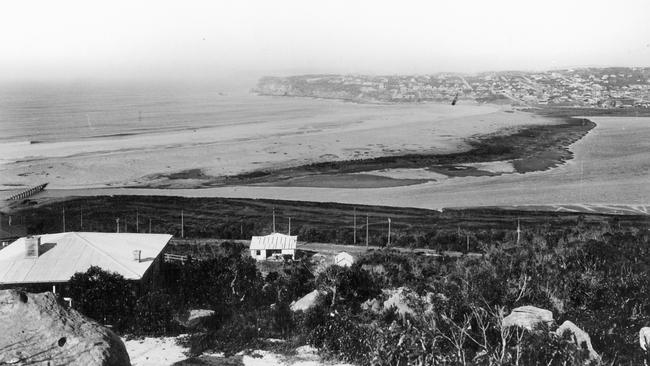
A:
x: 403, y: 300
x: 644, y: 338
x: 528, y: 317
x: 306, y: 302
x: 579, y: 337
x: 37, y: 330
x: 373, y: 305
x: 307, y: 353
x: 194, y: 318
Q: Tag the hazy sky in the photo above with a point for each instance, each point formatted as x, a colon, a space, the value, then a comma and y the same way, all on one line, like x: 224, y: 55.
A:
x: 214, y: 39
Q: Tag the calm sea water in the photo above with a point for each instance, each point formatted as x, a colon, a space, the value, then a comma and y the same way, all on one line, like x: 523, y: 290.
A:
x: 61, y: 112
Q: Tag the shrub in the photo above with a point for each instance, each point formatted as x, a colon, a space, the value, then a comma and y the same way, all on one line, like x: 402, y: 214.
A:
x: 106, y: 297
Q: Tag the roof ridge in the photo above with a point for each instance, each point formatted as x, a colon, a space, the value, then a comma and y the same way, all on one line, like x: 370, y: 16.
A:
x: 106, y: 254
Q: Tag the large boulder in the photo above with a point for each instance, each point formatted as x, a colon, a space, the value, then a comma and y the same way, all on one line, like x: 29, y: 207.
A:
x: 644, y: 339
x: 306, y: 302
x: 37, y: 330
x: 579, y: 337
x: 528, y: 317
x: 194, y: 318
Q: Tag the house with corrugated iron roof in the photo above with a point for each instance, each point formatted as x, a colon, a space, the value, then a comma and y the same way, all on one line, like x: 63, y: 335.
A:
x: 273, y: 246
x: 49, y: 260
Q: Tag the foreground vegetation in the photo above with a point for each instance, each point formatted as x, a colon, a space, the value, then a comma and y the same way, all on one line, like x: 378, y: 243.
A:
x: 597, y: 278
x: 590, y: 269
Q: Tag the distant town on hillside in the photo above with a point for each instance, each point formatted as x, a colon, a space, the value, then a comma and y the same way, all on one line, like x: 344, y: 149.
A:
x: 614, y: 87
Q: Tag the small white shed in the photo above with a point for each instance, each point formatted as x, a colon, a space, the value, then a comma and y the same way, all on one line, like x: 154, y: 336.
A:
x: 263, y: 247
x: 344, y: 259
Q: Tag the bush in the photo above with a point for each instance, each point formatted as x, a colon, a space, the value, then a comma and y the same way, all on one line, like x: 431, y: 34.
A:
x: 106, y: 297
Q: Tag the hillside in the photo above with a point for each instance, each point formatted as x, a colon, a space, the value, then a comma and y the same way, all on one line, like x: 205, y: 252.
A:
x: 587, y: 87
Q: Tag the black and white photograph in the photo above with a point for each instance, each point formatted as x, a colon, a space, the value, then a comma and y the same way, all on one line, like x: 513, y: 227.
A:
x: 325, y: 183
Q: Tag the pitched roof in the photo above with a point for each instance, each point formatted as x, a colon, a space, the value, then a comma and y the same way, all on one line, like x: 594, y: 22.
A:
x: 274, y: 241
x: 64, y: 254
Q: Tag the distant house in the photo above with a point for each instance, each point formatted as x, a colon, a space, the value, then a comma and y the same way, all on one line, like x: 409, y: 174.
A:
x: 344, y: 259
x: 273, y: 245
x: 47, y: 261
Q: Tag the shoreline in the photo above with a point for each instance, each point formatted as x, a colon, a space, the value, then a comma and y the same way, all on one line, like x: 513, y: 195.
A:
x: 529, y: 149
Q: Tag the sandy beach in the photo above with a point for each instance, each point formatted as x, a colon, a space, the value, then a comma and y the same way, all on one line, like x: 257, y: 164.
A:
x: 335, y: 131
x: 609, y: 173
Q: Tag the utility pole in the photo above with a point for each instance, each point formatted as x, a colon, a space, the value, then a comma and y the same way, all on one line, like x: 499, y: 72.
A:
x: 182, y: 225
x: 388, y: 232
x: 81, y: 218
x: 64, y: 219
x: 467, y: 243
x: 354, y: 225
x: 289, y: 225
x: 125, y: 228
x: 241, y: 230
x: 149, y: 225
x: 137, y: 221
x: 367, y: 230
x: 273, y: 219
x: 518, y: 232
x: 117, y: 224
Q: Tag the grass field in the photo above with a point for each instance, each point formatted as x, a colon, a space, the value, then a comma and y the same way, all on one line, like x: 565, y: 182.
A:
x: 314, y: 222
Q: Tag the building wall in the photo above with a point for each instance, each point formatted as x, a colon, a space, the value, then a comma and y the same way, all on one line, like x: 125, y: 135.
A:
x: 261, y: 256
x: 291, y: 252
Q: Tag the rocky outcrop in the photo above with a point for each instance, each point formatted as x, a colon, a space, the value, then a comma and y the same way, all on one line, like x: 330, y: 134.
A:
x: 37, y: 330
x: 579, y: 337
x: 194, y: 318
x: 528, y: 317
x: 403, y: 300
x: 374, y: 305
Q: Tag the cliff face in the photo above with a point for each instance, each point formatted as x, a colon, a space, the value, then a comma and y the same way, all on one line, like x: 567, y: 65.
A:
x: 270, y: 85
x: 312, y: 86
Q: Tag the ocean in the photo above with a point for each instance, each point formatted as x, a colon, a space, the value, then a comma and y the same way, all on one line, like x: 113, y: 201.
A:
x: 47, y: 112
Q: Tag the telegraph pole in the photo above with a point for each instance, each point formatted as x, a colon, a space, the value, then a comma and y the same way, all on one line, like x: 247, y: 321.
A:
x: 273, y: 219
x: 518, y: 232
x: 125, y: 228
x: 182, y: 225
x: 137, y: 221
x: 81, y: 218
x: 388, y: 232
x: 354, y: 225
x: 149, y: 225
x: 289, y: 225
x: 367, y: 230
x: 117, y: 224
x: 64, y: 219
